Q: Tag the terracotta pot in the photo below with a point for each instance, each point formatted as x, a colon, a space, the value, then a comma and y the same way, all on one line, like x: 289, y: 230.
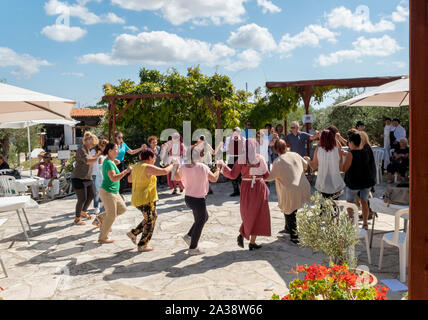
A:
x: 365, y: 278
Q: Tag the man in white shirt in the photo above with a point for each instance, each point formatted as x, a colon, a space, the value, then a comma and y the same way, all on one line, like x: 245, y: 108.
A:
x: 386, y: 142
x: 397, y: 133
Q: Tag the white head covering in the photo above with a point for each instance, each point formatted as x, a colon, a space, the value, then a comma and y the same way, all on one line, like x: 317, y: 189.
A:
x: 250, y: 156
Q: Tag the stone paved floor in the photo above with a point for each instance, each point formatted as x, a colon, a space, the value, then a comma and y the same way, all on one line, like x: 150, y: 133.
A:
x: 64, y: 261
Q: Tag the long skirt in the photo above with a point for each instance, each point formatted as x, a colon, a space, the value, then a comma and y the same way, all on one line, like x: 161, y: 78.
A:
x: 173, y: 184
x: 255, y: 212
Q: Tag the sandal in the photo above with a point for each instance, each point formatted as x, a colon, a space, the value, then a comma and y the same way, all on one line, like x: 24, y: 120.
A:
x: 366, y: 226
x: 145, y: 249
x: 85, y: 216
x: 132, y: 237
x: 96, y: 223
x: 79, y: 222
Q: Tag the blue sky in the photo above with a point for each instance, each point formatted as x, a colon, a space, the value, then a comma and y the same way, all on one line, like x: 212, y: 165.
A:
x: 252, y: 41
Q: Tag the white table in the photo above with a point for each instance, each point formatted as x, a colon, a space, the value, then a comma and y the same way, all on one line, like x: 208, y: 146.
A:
x: 23, y: 184
x: 16, y: 204
x: 378, y: 205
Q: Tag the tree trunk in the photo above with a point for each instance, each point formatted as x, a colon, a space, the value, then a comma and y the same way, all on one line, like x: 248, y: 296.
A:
x: 5, y: 145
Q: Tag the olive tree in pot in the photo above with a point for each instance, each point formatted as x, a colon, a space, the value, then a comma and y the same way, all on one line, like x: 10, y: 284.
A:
x: 323, y: 227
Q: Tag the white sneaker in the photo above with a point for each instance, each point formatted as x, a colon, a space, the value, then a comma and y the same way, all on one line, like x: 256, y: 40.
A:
x: 97, y: 211
x: 195, y: 252
x: 187, y: 239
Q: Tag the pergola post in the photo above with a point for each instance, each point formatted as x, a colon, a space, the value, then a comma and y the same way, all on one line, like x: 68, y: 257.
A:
x: 418, y: 243
x: 306, y: 93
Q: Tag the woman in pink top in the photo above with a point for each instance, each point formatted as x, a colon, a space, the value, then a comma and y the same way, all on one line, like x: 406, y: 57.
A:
x: 195, y: 177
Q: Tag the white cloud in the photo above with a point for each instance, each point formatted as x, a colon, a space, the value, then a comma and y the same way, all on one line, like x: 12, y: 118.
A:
x: 160, y: 48
x: 252, y: 36
x: 73, y: 74
x: 25, y: 64
x: 201, y: 12
x: 55, y: 7
x: 249, y: 59
x: 268, y: 6
x: 401, y: 14
x: 342, y: 17
x: 113, y: 18
x: 375, y: 47
x: 63, y: 33
x: 398, y: 64
x: 310, y: 36
x: 131, y: 28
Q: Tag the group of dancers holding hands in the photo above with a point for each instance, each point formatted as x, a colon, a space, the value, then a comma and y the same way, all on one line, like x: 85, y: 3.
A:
x: 188, y: 169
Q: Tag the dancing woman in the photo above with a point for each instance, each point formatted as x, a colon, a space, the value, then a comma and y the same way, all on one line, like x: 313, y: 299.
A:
x: 81, y: 177
x: 254, y: 203
x: 109, y: 192
x: 196, y: 177
x: 174, y: 150
x: 292, y: 186
x: 123, y: 149
x: 145, y: 196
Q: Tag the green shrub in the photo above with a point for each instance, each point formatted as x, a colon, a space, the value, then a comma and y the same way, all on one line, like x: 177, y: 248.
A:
x: 323, y: 229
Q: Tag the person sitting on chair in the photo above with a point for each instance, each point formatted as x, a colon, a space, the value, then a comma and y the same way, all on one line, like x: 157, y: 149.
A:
x: 3, y: 163
x: 399, y: 162
x: 48, y: 172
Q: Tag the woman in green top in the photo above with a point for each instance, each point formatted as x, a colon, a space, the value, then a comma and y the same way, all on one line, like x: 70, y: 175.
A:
x: 109, y: 192
x: 144, y: 196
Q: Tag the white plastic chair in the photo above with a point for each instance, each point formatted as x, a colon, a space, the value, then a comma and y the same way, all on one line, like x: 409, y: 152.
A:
x: 379, y: 154
x: 3, y: 221
x: 360, y: 232
x: 399, y: 240
x: 7, y: 184
x: 9, y: 189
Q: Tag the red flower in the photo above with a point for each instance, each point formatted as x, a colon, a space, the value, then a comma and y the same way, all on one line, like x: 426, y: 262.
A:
x: 301, y: 268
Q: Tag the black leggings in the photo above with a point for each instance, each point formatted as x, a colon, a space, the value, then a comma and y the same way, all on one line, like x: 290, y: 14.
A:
x: 84, y: 198
x: 200, y: 213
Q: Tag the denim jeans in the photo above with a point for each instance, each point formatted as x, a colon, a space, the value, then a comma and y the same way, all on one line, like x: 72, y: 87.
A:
x: 96, y: 192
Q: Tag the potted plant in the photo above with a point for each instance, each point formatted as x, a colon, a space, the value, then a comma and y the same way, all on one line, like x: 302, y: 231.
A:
x: 323, y: 228
x: 337, y: 282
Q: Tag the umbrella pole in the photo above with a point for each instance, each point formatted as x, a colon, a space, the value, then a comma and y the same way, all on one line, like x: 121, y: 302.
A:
x: 29, y: 147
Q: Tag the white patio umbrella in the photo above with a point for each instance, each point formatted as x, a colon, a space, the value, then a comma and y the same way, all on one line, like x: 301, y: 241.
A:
x: 17, y: 104
x: 391, y: 94
x: 22, y: 105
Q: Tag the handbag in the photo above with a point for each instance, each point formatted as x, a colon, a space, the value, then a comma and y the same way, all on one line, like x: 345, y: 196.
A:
x: 396, y: 195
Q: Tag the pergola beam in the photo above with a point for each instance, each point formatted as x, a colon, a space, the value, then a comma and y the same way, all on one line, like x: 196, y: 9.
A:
x: 339, y: 83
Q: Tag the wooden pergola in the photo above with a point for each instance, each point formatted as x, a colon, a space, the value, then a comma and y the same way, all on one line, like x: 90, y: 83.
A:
x: 306, y: 89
